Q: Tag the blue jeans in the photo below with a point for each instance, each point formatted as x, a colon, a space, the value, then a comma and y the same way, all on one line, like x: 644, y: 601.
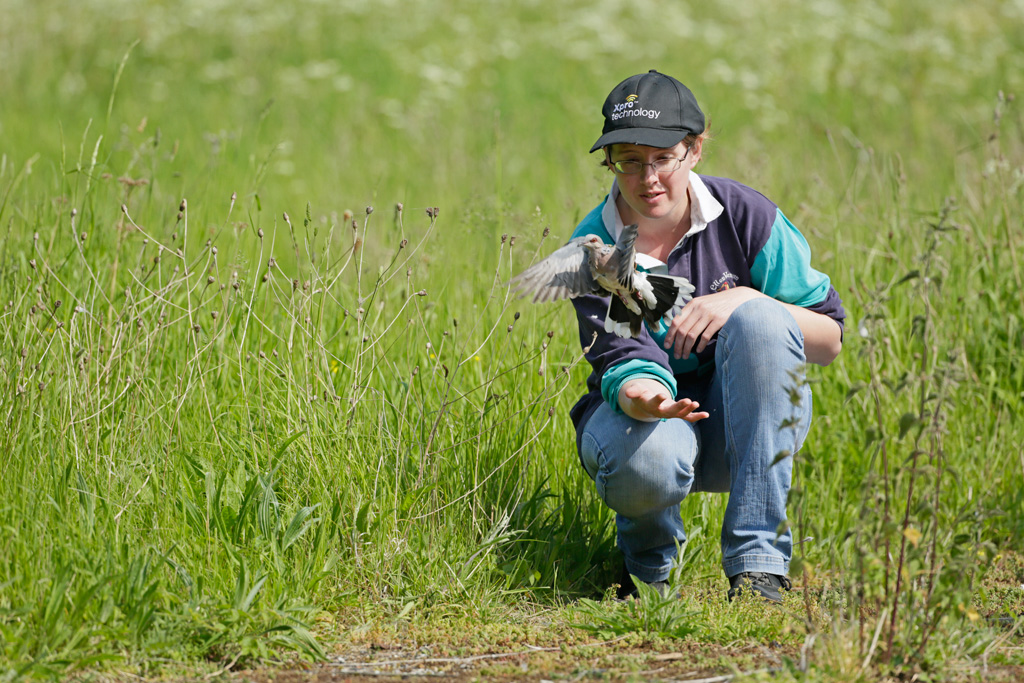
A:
x: 643, y: 470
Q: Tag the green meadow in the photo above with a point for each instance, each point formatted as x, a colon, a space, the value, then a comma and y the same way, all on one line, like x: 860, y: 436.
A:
x: 267, y: 403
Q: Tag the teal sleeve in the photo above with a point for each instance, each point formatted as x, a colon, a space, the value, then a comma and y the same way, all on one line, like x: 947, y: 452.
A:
x: 619, y: 374
x: 782, y: 269
x: 593, y: 224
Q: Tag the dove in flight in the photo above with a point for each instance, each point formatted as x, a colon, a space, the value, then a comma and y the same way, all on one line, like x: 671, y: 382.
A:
x: 586, y: 265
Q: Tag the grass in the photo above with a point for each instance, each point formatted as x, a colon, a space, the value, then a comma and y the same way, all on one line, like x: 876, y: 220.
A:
x: 267, y: 398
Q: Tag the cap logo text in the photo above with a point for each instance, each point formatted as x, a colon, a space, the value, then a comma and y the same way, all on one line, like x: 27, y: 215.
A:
x: 627, y: 109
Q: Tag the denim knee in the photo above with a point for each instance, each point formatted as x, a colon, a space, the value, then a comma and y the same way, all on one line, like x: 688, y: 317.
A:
x: 645, y: 472
x: 760, y: 322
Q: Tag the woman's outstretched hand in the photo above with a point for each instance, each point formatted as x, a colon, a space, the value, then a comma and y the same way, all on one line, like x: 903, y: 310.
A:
x: 648, y: 400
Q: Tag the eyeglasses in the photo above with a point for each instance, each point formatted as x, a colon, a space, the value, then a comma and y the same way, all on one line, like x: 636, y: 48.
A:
x: 632, y: 167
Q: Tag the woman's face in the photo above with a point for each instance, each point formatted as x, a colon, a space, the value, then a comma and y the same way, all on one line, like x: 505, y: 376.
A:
x: 651, y: 195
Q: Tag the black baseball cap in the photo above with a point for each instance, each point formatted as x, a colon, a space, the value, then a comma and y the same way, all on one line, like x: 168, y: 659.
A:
x: 650, y: 109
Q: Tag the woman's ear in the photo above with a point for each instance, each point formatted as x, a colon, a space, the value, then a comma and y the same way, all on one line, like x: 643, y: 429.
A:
x: 697, y: 149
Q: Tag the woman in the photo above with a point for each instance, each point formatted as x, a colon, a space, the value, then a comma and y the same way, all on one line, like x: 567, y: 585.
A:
x: 698, y: 405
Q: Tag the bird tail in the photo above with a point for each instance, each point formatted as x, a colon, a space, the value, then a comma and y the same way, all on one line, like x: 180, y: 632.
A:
x: 622, y: 321
x: 671, y: 293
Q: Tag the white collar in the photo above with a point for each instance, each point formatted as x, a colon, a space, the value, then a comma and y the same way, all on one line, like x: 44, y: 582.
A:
x: 704, y: 208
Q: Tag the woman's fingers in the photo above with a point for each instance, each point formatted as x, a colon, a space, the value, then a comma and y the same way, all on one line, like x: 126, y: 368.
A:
x: 687, y: 329
x: 651, y: 399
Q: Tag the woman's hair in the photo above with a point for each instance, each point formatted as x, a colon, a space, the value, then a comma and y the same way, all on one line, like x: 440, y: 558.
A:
x: 689, y: 140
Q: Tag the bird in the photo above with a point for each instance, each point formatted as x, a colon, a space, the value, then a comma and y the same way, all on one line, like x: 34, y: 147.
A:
x: 586, y: 265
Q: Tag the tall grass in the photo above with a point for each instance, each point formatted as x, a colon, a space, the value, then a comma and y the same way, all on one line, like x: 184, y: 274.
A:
x: 262, y: 374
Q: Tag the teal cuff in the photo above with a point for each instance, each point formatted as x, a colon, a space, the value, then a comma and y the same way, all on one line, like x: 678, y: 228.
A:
x: 617, y: 375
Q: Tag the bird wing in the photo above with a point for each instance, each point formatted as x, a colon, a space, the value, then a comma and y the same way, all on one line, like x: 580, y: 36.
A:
x: 564, y: 274
x: 626, y: 254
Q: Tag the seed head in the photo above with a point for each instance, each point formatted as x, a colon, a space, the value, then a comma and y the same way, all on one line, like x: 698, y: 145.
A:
x: 403, y: 244
x: 551, y: 333
x: 516, y: 316
x: 32, y: 263
x: 83, y: 236
x: 183, y: 205
x: 57, y: 304
x: 399, y: 207
x: 547, y: 231
x: 347, y: 216
x: 271, y: 263
x: 369, y: 210
x: 266, y: 276
x: 124, y: 210
x: 422, y: 292
x: 196, y: 328
x: 509, y: 328
x: 286, y: 218
x: 210, y: 280
x: 416, y: 371
x: 214, y: 314
x: 504, y: 237
x: 512, y: 240
x: 74, y: 212
x: 259, y: 233
x: 262, y: 354
x: 551, y: 411
x: 213, y: 250
x: 174, y: 237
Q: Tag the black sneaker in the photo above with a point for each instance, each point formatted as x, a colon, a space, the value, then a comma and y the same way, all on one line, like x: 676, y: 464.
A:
x: 761, y: 583
x: 627, y: 589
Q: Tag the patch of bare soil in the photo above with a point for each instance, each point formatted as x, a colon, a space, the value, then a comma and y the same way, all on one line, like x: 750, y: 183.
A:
x: 610, y: 660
